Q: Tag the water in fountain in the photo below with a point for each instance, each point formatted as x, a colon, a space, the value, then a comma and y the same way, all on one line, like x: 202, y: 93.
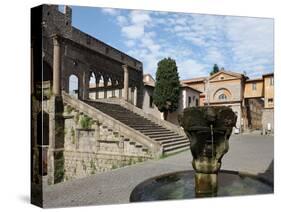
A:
x: 209, y: 129
x: 180, y: 185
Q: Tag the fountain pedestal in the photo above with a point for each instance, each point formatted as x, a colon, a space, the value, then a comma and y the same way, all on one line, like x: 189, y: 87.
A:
x: 206, y: 184
x: 208, y: 129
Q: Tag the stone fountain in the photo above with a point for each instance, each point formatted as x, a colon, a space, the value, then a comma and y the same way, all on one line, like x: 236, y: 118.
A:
x: 208, y: 129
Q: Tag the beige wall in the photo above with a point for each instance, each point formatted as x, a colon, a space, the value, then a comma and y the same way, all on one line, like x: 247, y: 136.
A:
x: 238, y: 92
x: 183, y: 103
x: 268, y: 92
x: 185, y: 94
x: 148, y: 91
x: 231, y: 88
x: 200, y: 86
x: 249, y: 92
x: 223, y: 76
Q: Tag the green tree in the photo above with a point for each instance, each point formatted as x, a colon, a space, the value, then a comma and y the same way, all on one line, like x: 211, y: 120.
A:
x: 215, y: 69
x: 167, y: 86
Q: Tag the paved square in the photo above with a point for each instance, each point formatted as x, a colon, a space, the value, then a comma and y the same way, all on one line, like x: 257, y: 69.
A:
x: 247, y: 153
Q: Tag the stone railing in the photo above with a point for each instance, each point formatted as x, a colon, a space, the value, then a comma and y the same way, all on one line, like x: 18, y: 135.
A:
x: 127, y: 131
x: 142, y: 113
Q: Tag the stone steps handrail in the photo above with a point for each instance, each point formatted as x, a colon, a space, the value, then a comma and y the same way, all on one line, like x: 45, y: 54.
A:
x: 140, y: 112
x: 116, y: 125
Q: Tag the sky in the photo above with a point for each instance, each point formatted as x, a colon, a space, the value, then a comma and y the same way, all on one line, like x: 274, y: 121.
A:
x: 195, y: 41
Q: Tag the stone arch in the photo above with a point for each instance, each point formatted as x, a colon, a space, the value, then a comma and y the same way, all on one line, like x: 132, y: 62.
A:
x: 73, y: 85
x: 119, y: 86
x: 43, y: 141
x: 92, y: 85
x: 92, y: 80
x: 114, y: 87
x: 222, y: 94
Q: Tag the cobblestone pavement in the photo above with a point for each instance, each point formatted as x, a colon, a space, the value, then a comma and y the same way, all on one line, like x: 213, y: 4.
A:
x: 247, y: 153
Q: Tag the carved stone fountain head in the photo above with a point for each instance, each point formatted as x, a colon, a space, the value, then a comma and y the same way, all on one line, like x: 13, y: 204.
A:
x: 208, y: 129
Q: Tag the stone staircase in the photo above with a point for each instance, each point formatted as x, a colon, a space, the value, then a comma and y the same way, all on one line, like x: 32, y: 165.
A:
x: 170, y: 140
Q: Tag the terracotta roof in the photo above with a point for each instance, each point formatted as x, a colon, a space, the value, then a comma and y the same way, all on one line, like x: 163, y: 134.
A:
x: 186, y: 86
x: 200, y: 79
x: 197, y: 79
x: 252, y: 80
x: 268, y: 74
x: 151, y: 84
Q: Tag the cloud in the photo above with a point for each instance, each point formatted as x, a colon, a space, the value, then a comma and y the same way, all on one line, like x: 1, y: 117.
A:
x: 133, y: 31
x: 191, y: 68
x: 250, y: 42
x: 197, y: 41
x: 140, y: 17
x: 130, y: 43
x: 121, y: 20
x: 110, y: 11
x: 135, y: 28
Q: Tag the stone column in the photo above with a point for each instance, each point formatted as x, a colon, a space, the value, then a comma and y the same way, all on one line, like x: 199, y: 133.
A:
x: 32, y: 69
x: 113, y: 83
x: 135, y: 96
x: 85, y: 85
x: 105, y: 82
x: 56, y: 67
x: 97, y: 89
x: 126, y: 82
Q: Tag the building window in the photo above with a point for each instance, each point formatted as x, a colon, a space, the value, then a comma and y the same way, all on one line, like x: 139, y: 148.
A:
x: 189, y: 101
x: 222, y: 97
x: 270, y: 100
x: 221, y: 77
x: 271, y: 82
x: 254, y: 86
x: 106, y: 50
x: 197, y: 102
x: 150, y: 101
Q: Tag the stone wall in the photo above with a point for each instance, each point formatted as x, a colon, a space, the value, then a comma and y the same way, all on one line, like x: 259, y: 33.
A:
x: 148, y: 93
x: 96, y: 148
x: 268, y: 119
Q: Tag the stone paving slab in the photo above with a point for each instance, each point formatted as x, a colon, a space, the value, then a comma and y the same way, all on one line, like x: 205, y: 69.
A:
x: 247, y: 153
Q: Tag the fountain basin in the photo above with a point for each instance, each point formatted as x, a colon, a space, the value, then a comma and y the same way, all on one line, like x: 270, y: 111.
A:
x: 181, y: 185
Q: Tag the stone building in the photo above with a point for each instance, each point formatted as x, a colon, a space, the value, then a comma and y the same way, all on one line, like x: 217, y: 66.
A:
x: 79, y: 131
x: 189, y: 97
x: 250, y: 99
x: 148, y: 105
x: 268, y: 112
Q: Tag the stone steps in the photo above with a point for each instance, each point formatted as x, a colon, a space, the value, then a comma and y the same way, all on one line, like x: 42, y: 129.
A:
x: 164, y: 138
x: 139, y: 128
x: 170, y: 141
x: 176, y: 149
x: 167, y: 145
x: 159, y: 135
